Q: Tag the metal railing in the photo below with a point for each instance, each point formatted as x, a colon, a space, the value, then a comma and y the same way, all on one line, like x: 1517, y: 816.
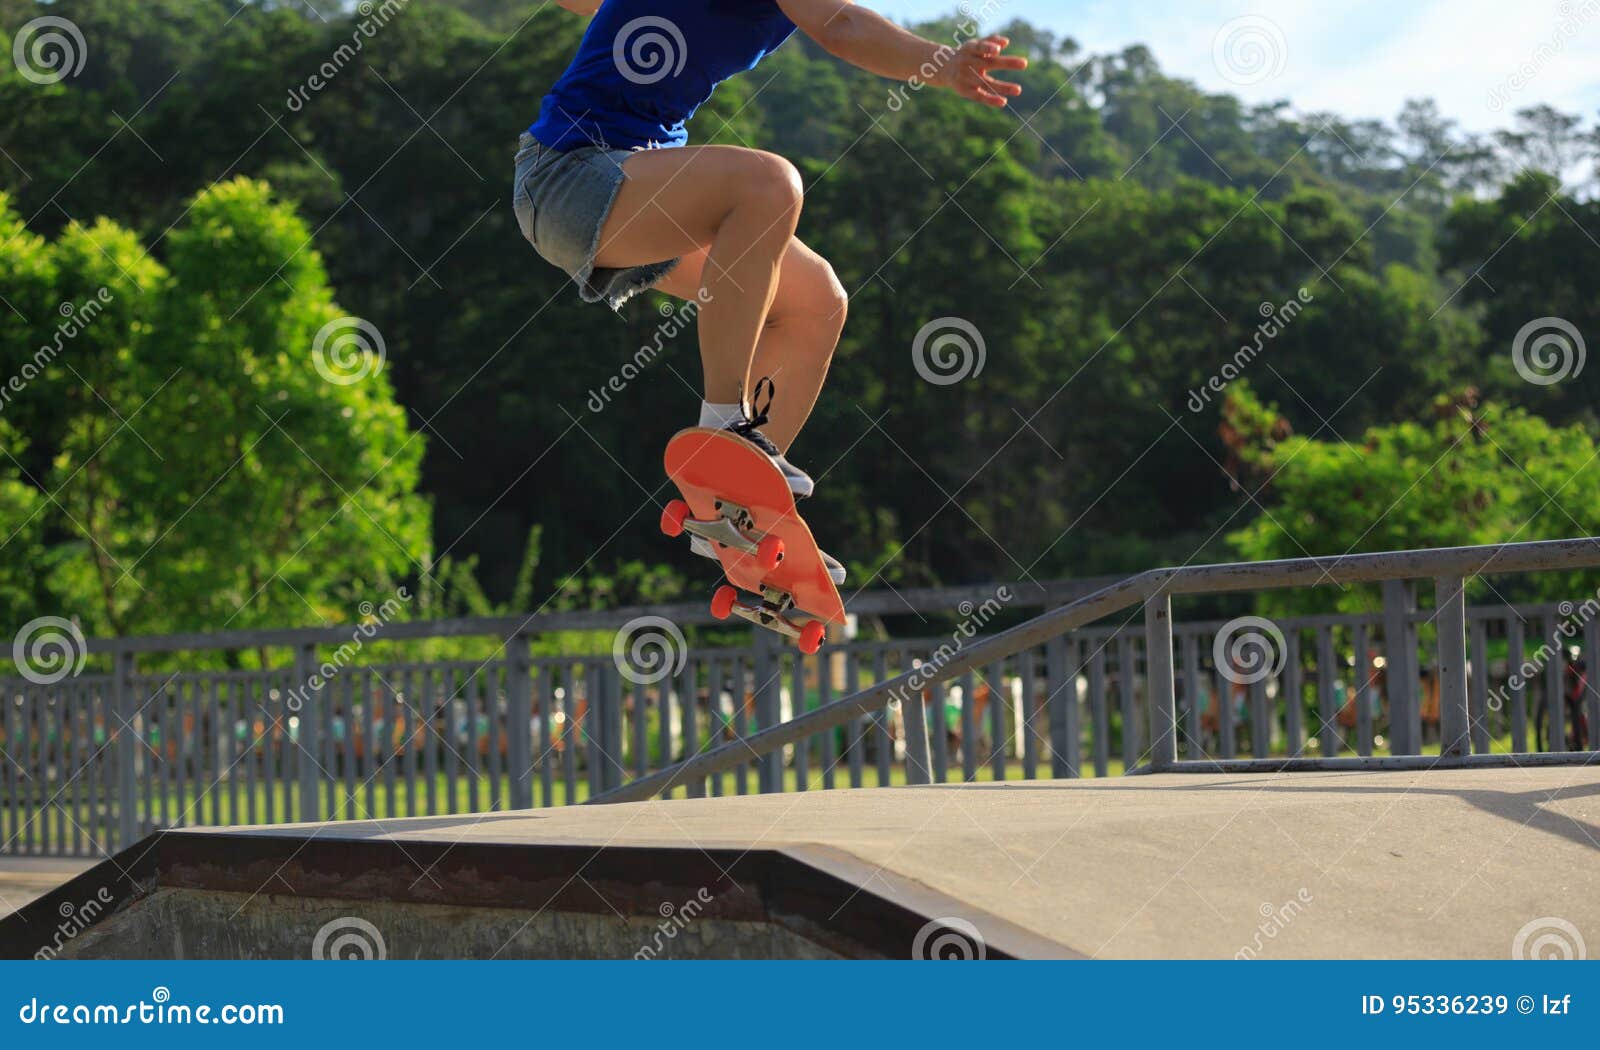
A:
x: 95, y: 762
x: 1449, y: 568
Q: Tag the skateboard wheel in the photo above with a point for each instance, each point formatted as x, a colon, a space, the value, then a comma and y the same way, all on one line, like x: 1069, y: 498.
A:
x: 722, y: 602
x: 769, y: 553
x: 673, y: 517
x: 811, y: 636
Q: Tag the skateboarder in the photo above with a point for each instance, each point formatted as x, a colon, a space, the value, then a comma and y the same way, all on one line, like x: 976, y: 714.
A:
x: 608, y: 189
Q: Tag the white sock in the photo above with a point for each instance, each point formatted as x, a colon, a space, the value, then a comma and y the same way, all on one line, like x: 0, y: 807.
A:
x: 719, y: 417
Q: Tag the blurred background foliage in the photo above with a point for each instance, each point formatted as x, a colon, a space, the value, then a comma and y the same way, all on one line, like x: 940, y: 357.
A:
x: 180, y: 464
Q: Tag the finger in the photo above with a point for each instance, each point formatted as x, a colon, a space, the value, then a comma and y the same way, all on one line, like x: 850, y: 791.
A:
x: 975, y: 89
x: 1005, y: 62
x: 990, y: 45
x: 1002, y: 87
x: 999, y: 85
x: 989, y: 49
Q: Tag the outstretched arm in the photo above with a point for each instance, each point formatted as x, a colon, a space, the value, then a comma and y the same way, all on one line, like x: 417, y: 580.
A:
x: 586, y: 8
x: 869, y: 41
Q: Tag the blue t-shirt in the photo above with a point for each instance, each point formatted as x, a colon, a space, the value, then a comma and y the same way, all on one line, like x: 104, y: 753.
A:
x: 644, y: 67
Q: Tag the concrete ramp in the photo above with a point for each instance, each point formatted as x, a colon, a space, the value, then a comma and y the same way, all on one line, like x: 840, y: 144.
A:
x: 1440, y: 864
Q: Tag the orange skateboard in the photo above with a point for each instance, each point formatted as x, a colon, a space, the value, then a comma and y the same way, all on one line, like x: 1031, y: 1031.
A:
x: 735, y: 497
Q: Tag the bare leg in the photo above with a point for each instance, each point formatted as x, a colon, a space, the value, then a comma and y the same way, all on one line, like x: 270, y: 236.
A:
x: 798, y: 340
x: 740, y: 207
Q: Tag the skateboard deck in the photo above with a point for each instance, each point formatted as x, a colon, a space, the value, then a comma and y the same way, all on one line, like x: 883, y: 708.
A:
x: 734, y: 496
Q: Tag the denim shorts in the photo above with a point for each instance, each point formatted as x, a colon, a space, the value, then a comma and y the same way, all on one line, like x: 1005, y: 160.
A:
x: 562, y: 200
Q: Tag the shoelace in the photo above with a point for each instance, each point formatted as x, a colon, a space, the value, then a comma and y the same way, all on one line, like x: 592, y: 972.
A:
x: 749, y: 427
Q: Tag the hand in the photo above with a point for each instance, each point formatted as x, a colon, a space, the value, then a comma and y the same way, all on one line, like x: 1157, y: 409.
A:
x: 967, y: 73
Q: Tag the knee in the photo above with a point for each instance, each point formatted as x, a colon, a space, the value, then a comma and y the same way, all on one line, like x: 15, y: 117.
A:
x: 832, y: 301
x: 774, y: 186
x: 811, y: 298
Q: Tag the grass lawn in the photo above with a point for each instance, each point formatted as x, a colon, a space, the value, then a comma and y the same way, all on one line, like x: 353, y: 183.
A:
x: 79, y: 821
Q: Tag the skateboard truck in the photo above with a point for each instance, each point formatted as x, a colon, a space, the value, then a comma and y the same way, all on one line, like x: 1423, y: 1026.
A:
x: 769, y: 614
x: 734, y: 527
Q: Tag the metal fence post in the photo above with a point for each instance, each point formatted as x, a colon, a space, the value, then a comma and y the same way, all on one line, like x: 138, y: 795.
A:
x: 1193, y: 674
x: 593, y: 733
x: 1451, y: 602
x: 124, y: 699
x: 689, y: 718
x: 1328, y: 735
x: 1127, y: 697
x: 308, y: 740
x: 1478, y: 690
x: 919, y: 768
x: 1061, y: 699
x: 1362, y: 693
x: 614, y: 769
x: 1293, y: 685
x: 769, y: 704
x: 1400, y: 677
x: 1555, y: 683
x: 519, y: 720
x: 1159, y: 680
x: 1591, y: 679
x: 1516, y: 649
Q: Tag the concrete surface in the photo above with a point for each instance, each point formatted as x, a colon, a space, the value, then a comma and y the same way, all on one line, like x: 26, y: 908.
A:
x: 1443, y: 864
x: 25, y: 879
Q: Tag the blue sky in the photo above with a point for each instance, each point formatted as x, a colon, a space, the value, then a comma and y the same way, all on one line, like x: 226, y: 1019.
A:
x: 1360, y: 58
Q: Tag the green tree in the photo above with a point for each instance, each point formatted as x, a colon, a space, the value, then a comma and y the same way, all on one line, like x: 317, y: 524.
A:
x: 21, y: 530
x: 1528, y: 263
x: 1470, y: 475
x: 1112, y: 235
x: 1544, y: 139
x: 218, y: 460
